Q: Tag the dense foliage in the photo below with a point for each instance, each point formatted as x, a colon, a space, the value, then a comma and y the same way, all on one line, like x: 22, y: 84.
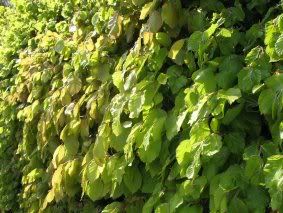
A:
x: 141, y: 106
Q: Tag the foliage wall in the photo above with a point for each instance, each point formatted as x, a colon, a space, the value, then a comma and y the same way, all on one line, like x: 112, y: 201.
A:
x: 141, y: 106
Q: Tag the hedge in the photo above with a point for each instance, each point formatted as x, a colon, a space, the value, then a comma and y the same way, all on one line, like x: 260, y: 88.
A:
x: 141, y: 106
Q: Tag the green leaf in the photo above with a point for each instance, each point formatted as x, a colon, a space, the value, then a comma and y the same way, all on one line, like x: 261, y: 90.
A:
x: 232, y: 113
x: 72, y: 145
x: 135, y: 104
x: 146, y: 10
x: 201, y: 142
x: 257, y: 199
x: 206, y: 77
x: 235, y: 142
x: 74, y: 85
x: 149, y: 139
x: 157, y: 60
x: 237, y: 205
x: 163, y: 38
x: 162, y: 78
x: 155, y: 22
x: 194, y: 188
x: 169, y: 14
x: 196, y: 40
x: 275, y: 82
x: 93, y: 171
x: 176, y: 80
x: 163, y: 208
x: 174, y: 123
x: 149, y: 204
x: 132, y: 178
x: 265, y: 101
x: 274, y: 180
x: 279, y: 46
x: 197, y: 20
x: 95, y: 190
x: 225, y: 33
x: 116, y: 109
x: 175, y: 49
x: 130, y: 81
x: 59, y: 46
x: 259, y: 60
x: 211, y: 30
x: 212, y: 145
x: 191, y: 209
x: 248, y: 78
x: 231, y: 95
x: 228, y: 70
x: 115, y: 207
x: 253, y: 169
x: 200, y: 110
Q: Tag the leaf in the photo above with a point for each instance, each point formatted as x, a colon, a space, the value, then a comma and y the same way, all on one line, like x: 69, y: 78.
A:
x: 207, y: 78
x: 149, y: 139
x: 279, y: 46
x: 155, y: 21
x: 225, y: 33
x: 93, y: 171
x: 116, y: 109
x: 163, y: 208
x: 95, y: 190
x: 211, y: 30
x: 273, y: 171
x: 265, y: 101
x: 163, y: 38
x: 149, y: 204
x: 57, y: 183
x: 128, y: 148
x: 176, y: 80
x: 196, y: 40
x: 147, y: 8
x: 228, y: 70
x: 237, y: 205
x: 253, y: 169
x: 130, y: 81
x: 175, y: 49
x: 175, y: 201
x: 197, y: 20
x: 48, y: 199
x: 135, y: 104
x: 275, y: 82
x: 72, y: 145
x: 232, y: 113
x: 59, y: 46
x: 59, y: 156
x: 115, y: 25
x: 74, y: 85
x: 191, y: 209
x: 100, y: 148
x: 248, y: 78
x: 200, y: 110
x: 162, y: 78
x: 132, y: 178
x: 157, y: 60
x: 259, y: 60
x: 114, y: 207
x: 174, y: 123
x: 231, y: 95
x: 235, y: 142
x: 193, y: 188
x: 212, y: 145
x: 169, y: 14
